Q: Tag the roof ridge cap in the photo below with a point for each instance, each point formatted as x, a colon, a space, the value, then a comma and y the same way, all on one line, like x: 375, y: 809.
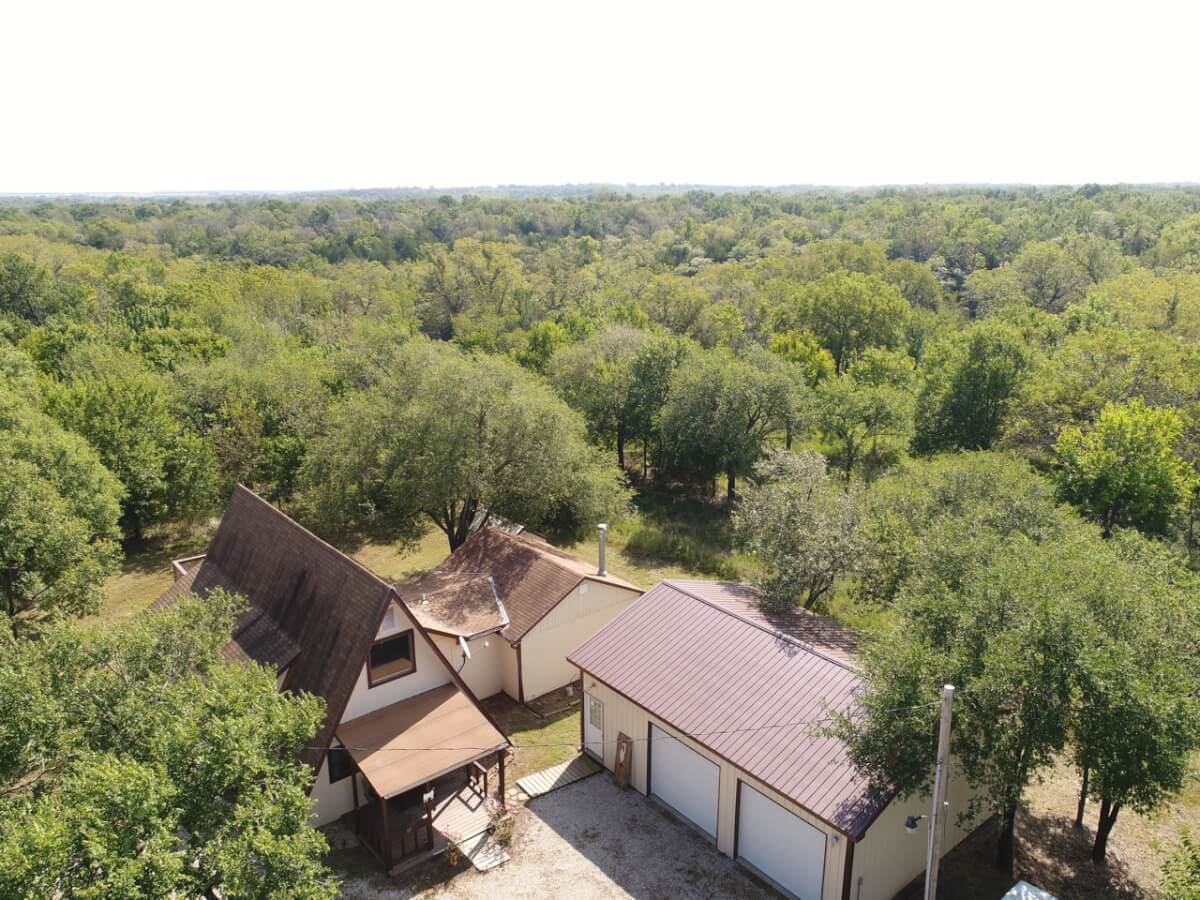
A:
x: 774, y: 632
x: 321, y: 542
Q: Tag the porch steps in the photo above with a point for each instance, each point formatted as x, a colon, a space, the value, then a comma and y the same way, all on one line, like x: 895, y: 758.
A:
x: 483, y: 852
x: 561, y: 775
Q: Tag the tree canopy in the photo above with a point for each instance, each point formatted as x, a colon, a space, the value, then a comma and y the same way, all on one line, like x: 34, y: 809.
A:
x: 136, y: 762
x: 447, y: 435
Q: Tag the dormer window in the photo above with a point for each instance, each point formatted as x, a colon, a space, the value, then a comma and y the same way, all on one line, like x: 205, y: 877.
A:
x: 391, y: 658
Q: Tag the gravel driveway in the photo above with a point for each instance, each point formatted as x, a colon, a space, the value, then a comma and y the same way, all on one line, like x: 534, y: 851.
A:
x: 592, y: 840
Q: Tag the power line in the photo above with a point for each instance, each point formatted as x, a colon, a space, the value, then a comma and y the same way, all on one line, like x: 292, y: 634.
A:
x: 694, y: 734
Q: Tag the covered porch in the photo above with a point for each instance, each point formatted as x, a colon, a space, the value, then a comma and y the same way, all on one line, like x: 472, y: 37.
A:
x: 422, y: 774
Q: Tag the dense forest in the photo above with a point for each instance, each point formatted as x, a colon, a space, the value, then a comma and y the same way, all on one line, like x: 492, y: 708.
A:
x: 971, y: 417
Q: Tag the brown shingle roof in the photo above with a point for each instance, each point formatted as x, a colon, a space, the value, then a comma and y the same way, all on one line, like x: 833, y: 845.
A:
x: 311, y: 605
x: 454, y: 603
x: 531, y: 575
x: 700, y: 657
x: 408, y: 743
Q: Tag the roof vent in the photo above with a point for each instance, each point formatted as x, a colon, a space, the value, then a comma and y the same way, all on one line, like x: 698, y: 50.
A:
x: 603, y: 531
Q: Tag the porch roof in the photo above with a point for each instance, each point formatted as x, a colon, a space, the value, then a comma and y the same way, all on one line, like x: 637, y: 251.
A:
x: 412, y: 742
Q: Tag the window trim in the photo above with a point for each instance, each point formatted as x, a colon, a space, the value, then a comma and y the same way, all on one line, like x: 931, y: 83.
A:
x: 412, y: 643
x: 353, y: 764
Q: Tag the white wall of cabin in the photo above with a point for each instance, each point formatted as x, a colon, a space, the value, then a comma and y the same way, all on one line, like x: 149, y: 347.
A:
x: 886, y: 859
x: 578, y: 616
x: 430, y: 673
x: 484, y: 671
x: 331, y: 801
x: 510, y: 673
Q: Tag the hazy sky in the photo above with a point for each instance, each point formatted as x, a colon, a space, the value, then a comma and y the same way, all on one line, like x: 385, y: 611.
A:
x: 164, y: 96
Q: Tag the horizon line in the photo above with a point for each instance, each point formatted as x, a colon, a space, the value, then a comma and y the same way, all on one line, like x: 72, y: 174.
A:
x: 584, y: 185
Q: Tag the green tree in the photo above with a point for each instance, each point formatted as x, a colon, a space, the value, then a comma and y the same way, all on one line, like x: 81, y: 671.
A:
x: 860, y: 412
x: 596, y: 377
x: 967, y: 383
x: 915, y: 518
x: 652, y: 370
x: 1137, y: 719
x: 915, y: 282
x: 27, y: 292
x: 1009, y: 636
x: 150, y: 767
x: 802, y: 349
x: 1124, y: 471
x: 849, y: 312
x: 1049, y: 275
x: 447, y: 435
x: 1181, y: 871
x: 58, y: 513
x: 801, y: 525
x: 123, y: 410
x: 719, y: 413
x: 1179, y: 245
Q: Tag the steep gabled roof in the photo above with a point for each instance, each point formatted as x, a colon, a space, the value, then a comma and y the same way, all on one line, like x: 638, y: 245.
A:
x: 530, y: 574
x: 702, y: 658
x: 313, y: 609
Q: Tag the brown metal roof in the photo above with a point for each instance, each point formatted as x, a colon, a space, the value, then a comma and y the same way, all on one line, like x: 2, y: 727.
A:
x: 701, y: 657
x: 819, y: 633
x: 531, y: 575
x: 410, y: 743
x: 454, y: 603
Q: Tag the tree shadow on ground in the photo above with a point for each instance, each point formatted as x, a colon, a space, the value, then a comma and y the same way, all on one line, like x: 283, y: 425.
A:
x: 1050, y: 853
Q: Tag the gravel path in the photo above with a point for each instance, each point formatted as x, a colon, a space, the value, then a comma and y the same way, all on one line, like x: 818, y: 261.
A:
x: 592, y: 840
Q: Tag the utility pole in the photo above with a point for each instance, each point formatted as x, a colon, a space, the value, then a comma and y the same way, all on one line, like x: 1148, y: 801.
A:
x: 936, y: 824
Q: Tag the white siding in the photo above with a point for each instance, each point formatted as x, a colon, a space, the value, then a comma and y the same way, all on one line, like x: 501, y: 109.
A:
x: 624, y: 717
x: 510, y: 675
x: 888, y: 857
x: 484, y: 671
x: 430, y: 674
x: 578, y: 616
x: 330, y: 801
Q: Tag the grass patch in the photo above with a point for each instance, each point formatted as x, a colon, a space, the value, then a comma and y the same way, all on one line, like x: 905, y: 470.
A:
x: 537, y: 743
x: 146, y: 573
x: 392, y: 563
x: 671, y: 537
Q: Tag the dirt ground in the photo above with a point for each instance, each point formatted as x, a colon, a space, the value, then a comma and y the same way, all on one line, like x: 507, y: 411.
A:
x: 587, y: 840
x: 1054, y: 855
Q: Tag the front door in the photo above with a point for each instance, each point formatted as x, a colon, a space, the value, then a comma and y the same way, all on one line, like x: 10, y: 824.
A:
x: 593, y: 726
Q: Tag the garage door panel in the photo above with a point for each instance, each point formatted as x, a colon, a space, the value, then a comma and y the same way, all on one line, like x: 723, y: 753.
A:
x: 779, y: 844
x: 684, y: 780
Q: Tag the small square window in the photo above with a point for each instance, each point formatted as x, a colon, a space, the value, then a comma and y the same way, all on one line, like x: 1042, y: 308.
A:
x: 341, y: 764
x: 391, y: 657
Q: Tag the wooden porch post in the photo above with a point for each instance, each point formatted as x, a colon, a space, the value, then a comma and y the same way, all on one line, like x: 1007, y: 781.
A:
x: 357, y: 815
x: 502, y: 795
x: 387, y: 834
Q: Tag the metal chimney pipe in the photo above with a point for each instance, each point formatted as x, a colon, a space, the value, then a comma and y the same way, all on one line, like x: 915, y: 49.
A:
x: 603, y: 531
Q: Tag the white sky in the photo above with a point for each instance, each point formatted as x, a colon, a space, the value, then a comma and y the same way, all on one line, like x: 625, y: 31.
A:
x: 166, y: 95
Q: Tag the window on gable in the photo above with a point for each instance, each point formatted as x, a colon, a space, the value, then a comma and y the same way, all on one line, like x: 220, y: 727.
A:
x: 341, y: 764
x: 391, y: 657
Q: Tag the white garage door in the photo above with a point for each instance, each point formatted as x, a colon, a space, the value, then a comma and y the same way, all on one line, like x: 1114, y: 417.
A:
x: 684, y: 780
x: 780, y: 845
